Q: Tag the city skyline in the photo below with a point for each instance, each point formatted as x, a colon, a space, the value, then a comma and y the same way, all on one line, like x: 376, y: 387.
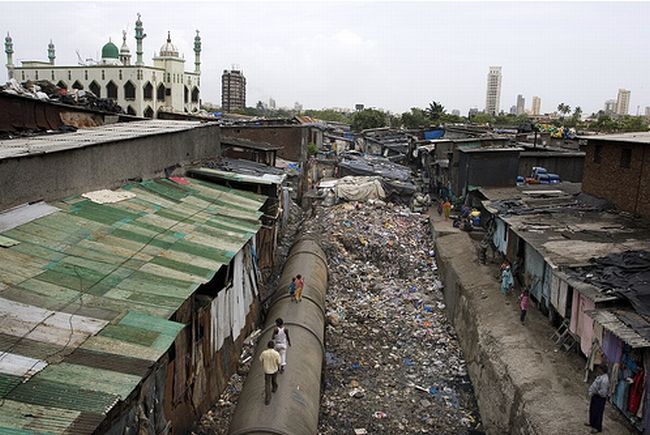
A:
x: 337, y: 55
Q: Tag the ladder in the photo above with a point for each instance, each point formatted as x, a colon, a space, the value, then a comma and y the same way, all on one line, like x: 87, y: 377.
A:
x: 563, y: 337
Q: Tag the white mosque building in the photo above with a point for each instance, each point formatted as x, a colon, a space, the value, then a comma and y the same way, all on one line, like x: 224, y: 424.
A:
x: 141, y: 90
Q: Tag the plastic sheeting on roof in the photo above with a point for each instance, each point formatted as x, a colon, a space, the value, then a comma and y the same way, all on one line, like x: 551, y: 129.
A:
x: 627, y: 273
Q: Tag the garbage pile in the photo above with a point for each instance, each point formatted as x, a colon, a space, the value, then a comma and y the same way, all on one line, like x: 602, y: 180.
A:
x: 393, y: 363
x: 46, y: 91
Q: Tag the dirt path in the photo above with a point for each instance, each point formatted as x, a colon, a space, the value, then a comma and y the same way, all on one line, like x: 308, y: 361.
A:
x: 523, y: 380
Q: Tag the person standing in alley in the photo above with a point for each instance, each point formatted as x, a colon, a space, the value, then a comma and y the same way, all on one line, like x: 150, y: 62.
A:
x: 300, y: 284
x: 598, y: 391
x: 282, y: 340
x: 446, y: 208
x: 270, y: 360
x: 506, y: 280
x: 523, y: 305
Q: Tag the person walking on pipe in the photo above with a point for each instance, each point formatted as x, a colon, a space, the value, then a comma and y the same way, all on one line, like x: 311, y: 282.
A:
x: 270, y: 360
x: 281, y: 339
x: 300, y: 284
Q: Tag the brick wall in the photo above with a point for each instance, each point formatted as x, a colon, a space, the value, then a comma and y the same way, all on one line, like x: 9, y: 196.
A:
x: 292, y: 139
x: 627, y: 188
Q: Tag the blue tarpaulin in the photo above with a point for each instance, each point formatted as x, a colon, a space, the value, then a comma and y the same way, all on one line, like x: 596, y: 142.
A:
x: 434, y: 134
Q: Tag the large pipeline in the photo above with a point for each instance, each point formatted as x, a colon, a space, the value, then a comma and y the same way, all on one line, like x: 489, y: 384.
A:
x: 295, y: 405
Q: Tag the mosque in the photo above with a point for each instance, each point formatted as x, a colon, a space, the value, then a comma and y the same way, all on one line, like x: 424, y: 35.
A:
x: 141, y: 90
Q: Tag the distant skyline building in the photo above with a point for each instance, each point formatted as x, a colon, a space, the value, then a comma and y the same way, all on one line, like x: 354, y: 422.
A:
x: 455, y: 112
x: 473, y: 111
x: 610, y: 107
x: 272, y: 103
x: 493, y: 91
x: 513, y: 110
x: 521, y: 105
x: 623, y: 102
x: 536, y: 108
x: 647, y: 111
x: 233, y: 90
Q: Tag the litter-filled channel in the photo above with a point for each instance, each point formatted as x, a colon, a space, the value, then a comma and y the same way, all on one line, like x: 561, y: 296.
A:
x: 393, y: 362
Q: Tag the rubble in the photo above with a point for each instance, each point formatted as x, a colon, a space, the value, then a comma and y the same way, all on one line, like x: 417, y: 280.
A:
x: 46, y: 91
x: 393, y: 362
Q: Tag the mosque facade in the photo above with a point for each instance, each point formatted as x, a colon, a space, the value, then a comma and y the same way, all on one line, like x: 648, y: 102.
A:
x: 139, y: 89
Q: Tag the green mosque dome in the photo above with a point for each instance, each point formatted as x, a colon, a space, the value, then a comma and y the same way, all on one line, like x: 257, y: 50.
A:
x: 110, y: 51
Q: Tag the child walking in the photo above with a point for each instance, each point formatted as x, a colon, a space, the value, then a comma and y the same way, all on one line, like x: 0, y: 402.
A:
x: 300, y: 284
x: 292, y: 289
x: 523, y: 305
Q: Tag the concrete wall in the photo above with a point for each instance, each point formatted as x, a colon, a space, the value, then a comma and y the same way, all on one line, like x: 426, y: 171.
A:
x: 627, y: 188
x: 569, y: 168
x: 292, y: 138
x: 520, y: 386
x: 70, y: 172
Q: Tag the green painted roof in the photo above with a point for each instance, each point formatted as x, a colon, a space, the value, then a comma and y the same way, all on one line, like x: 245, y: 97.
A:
x: 116, y: 273
x: 110, y: 51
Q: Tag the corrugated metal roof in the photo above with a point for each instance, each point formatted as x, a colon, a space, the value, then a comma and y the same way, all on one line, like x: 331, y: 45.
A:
x: 611, y: 320
x: 93, y: 286
x: 50, y: 143
x: 265, y: 179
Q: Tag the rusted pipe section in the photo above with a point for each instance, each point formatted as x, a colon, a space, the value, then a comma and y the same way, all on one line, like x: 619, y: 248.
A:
x: 294, y: 407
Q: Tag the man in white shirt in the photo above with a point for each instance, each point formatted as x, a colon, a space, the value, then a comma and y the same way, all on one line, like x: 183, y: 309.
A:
x: 598, y: 391
x: 270, y: 360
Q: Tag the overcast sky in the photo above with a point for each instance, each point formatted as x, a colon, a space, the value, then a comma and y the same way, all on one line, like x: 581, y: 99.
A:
x: 387, y: 55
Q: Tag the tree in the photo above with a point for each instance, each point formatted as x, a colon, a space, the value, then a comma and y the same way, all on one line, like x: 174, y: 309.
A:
x: 577, y: 113
x: 482, y: 118
x: 633, y: 123
x: 416, y: 118
x: 563, y: 108
x: 435, y: 111
x: 329, y: 115
x: 368, y: 118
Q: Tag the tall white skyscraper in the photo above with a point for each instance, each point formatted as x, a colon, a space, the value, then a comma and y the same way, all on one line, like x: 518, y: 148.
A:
x: 493, y: 94
x: 537, y: 105
x: 623, y: 102
x: 521, y: 104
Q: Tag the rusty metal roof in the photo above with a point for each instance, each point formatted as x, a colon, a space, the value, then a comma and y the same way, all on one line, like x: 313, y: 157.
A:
x: 50, y: 143
x: 86, y: 293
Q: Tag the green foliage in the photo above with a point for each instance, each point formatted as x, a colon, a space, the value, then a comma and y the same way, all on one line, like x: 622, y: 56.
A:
x: 368, y: 118
x: 564, y: 109
x: 448, y: 118
x: 330, y: 115
x: 416, y: 118
x: 435, y: 111
x: 482, y: 119
x: 627, y: 123
x: 312, y: 149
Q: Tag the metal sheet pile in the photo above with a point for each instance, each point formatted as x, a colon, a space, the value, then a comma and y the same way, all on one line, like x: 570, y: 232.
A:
x: 393, y: 362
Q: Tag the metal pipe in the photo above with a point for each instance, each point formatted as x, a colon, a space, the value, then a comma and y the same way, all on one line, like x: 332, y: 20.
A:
x: 295, y: 405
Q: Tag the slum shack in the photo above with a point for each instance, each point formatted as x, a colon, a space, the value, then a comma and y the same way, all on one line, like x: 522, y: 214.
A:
x: 258, y: 178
